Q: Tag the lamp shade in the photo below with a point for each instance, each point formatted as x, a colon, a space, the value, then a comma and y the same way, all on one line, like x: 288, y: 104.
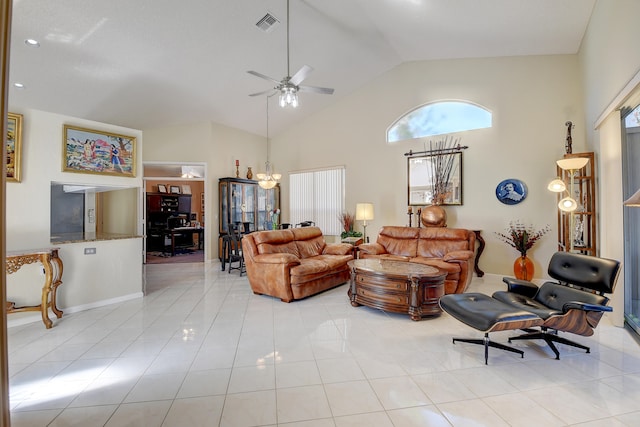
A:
x: 364, y: 211
x: 573, y: 163
x: 567, y: 205
x: 557, y: 186
x: 633, y: 200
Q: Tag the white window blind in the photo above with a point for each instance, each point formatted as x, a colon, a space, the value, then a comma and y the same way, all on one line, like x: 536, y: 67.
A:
x: 318, y: 196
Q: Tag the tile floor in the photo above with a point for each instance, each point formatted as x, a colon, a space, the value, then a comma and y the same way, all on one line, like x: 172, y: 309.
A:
x: 201, y: 350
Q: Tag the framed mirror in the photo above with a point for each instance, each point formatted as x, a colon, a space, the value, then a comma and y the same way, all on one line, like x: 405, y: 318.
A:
x: 429, y: 175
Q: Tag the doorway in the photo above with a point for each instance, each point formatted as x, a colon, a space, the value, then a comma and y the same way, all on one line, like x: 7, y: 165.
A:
x: 174, y: 213
x: 631, y: 183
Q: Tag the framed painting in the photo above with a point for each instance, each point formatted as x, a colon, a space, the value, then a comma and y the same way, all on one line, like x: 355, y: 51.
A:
x: 14, y: 147
x: 162, y: 188
x: 97, y: 152
x: 422, y: 171
x: 174, y: 189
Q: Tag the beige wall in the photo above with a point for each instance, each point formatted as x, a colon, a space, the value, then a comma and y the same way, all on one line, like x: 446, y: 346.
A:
x: 115, y: 272
x: 216, y: 145
x: 530, y: 97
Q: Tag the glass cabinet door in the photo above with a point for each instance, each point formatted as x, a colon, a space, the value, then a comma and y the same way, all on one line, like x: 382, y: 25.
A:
x: 236, y: 203
x: 268, y: 201
x: 224, y: 207
x: 246, y: 205
x: 249, y: 206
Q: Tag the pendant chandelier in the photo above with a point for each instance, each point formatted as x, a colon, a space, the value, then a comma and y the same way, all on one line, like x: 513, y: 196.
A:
x: 268, y: 179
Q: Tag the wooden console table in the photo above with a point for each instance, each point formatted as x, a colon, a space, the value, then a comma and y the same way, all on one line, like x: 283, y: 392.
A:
x: 481, y: 245
x: 396, y: 286
x: 52, y: 279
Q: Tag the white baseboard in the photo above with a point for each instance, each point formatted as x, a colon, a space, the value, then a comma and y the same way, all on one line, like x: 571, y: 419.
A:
x: 23, y: 318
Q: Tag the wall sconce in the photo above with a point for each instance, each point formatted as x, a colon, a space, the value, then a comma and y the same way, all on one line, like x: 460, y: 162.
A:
x: 364, y: 213
x: 568, y: 204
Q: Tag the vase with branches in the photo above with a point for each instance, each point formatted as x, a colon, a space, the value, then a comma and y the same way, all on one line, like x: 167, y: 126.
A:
x: 442, y: 168
x: 522, y: 237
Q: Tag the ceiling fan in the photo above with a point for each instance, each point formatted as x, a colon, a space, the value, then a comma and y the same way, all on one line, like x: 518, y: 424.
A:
x: 289, y: 86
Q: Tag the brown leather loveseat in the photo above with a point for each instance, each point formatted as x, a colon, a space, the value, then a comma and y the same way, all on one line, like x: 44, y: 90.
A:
x: 294, y: 263
x: 450, y: 249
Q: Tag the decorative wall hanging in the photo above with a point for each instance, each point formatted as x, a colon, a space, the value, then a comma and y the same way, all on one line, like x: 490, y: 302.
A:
x: 14, y: 147
x: 511, y: 191
x: 92, y: 151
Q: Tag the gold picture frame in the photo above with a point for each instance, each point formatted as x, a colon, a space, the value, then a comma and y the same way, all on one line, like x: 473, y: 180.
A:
x: 98, y: 152
x: 14, y: 147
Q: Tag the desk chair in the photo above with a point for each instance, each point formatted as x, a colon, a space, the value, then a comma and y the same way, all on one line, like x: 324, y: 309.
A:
x: 306, y: 224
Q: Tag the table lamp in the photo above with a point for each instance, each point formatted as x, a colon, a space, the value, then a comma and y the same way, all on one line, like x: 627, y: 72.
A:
x: 364, y: 213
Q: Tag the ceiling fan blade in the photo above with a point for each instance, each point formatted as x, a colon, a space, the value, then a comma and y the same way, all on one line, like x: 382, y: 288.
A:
x: 315, y: 89
x: 272, y: 91
x: 262, y: 76
x: 302, y: 74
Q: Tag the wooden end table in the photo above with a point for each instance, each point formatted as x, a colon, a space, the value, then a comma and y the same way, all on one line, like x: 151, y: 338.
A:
x: 396, y: 286
x: 53, y: 267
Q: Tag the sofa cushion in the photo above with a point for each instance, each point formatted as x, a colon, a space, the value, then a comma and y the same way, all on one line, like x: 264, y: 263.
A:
x: 436, y: 242
x: 334, y: 261
x: 390, y: 257
x: 309, y: 241
x: 277, y: 241
x: 449, y: 267
x: 401, y: 241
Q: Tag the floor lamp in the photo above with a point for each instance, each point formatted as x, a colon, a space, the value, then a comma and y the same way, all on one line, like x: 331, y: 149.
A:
x: 568, y: 204
x: 364, y: 213
x: 633, y: 200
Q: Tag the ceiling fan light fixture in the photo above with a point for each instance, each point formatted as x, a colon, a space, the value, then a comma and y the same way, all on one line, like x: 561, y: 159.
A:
x: 288, y: 96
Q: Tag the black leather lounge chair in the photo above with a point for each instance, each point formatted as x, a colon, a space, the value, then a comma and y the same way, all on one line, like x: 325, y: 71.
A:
x: 574, y: 304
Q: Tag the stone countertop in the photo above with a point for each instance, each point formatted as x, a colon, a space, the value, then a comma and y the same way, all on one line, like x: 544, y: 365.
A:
x: 89, y: 237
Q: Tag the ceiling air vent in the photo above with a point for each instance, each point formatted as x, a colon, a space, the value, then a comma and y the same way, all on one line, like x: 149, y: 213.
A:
x: 267, y: 23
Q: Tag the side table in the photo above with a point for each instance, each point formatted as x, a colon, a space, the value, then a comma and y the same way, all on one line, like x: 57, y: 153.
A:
x: 354, y: 241
x: 481, y: 244
x: 52, y: 279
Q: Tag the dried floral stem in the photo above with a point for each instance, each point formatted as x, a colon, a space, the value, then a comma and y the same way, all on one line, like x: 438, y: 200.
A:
x: 443, y: 162
x: 522, y: 237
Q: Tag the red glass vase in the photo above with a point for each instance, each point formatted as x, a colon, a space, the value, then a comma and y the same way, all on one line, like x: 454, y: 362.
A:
x: 523, y: 268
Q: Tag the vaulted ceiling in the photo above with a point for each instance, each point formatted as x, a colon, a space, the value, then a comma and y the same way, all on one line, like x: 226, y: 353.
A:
x: 153, y: 63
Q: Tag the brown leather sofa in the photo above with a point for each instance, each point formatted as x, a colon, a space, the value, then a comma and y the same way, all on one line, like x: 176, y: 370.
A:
x: 450, y: 249
x: 294, y: 263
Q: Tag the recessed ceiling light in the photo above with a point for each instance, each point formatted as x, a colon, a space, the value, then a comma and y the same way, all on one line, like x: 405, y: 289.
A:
x: 19, y: 85
x: 32, y: 42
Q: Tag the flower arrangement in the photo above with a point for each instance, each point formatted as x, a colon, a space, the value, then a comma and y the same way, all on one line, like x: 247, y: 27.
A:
x: 522, y: 237
x: 348, y: 219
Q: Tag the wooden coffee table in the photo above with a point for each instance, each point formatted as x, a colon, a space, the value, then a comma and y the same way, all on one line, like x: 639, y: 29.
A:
x: 396, y: 286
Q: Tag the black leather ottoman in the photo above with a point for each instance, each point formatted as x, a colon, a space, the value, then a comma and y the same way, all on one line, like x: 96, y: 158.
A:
x: 487, y: 314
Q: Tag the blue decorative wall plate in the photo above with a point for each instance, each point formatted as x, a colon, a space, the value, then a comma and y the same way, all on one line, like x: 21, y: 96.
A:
x: 511, y: 191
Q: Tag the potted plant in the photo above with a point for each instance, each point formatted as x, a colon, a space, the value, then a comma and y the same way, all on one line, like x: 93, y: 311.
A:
x: 347, y: 220
x: 522, y: 238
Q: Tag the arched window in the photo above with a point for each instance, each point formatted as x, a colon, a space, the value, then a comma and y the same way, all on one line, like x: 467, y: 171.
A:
x: 438, y: 118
